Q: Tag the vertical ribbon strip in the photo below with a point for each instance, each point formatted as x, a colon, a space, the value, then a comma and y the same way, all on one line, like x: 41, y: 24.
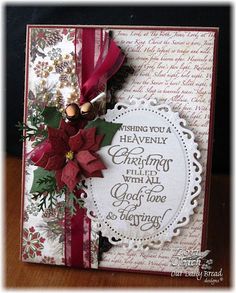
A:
x: 97, y: 59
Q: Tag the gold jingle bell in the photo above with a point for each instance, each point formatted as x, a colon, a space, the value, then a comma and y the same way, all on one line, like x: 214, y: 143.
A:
x: 72, y: 112
x: 87, y: 111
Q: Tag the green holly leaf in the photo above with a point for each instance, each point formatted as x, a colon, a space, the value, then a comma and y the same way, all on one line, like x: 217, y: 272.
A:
x: 52, y: 116
x: 109, y: 129
x: 43, y: 181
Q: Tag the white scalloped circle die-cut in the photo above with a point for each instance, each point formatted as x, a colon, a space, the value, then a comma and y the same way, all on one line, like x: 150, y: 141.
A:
x: 152, y: 179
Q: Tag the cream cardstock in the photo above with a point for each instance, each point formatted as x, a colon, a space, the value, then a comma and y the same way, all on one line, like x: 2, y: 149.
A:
x: 175, y: 67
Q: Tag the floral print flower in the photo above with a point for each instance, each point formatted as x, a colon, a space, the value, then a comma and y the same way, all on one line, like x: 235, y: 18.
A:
x: 48, y: 260
x: 70, y: 33
x: 32, y: 209
x: 55, y: 53
x: 41, y: 69
x: 32, y: 243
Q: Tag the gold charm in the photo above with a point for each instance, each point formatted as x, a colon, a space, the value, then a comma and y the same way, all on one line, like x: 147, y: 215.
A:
x: 87, y: 110
x: 72, y: 112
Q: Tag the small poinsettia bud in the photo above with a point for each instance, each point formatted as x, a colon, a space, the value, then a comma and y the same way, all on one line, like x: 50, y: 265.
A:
x: 72, y: 112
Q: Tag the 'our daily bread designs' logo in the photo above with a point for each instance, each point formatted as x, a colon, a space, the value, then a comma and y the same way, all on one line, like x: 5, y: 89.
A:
x: 200, y: 267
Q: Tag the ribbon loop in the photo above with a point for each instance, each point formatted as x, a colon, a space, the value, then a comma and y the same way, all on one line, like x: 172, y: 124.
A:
x: 95, y: 76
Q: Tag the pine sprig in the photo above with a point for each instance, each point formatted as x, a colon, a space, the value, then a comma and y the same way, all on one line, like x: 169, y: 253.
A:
x: 48, y: 192
x: 46, y: 200
x: 37, y: 195
x: 48, y: 195
x: 45, y: 191
x: 49, y: 200
x: 49, y: 181
x: 52, y: 199
x: 73, y: 200
x: 33, y: 130
x: 43, y: 204
x: 36, y: 118
x: 29, y: 131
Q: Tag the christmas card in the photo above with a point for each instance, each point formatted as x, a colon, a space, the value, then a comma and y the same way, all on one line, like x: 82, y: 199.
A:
x: 117, y: 145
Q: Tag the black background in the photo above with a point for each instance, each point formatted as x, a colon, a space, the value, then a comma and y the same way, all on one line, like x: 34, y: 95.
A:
x: 17, y: 17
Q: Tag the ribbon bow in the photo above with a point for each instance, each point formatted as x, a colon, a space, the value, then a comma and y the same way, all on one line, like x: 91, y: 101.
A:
x: 95, y: 75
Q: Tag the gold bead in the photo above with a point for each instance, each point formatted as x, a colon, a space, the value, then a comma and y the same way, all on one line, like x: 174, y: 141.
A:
x: 50, y: 68
x: 45, y: 97
x: 46, y: 74
x: 73, y: 71
x: 72, y: 95
x: 72, y: 111
x: 85, y: 108
x: 42, y: 82
x: 87, y: 111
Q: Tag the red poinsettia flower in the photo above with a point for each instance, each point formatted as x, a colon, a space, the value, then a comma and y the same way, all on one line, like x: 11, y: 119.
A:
x: 70, y: 153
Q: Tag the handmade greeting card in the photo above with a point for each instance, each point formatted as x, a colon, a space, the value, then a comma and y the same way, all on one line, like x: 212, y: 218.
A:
x: 117, y: 147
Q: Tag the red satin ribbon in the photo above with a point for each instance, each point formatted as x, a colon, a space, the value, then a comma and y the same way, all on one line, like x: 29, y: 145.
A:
x: 77, y: 231
x: 88, y: 37
x: 94, y: 77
